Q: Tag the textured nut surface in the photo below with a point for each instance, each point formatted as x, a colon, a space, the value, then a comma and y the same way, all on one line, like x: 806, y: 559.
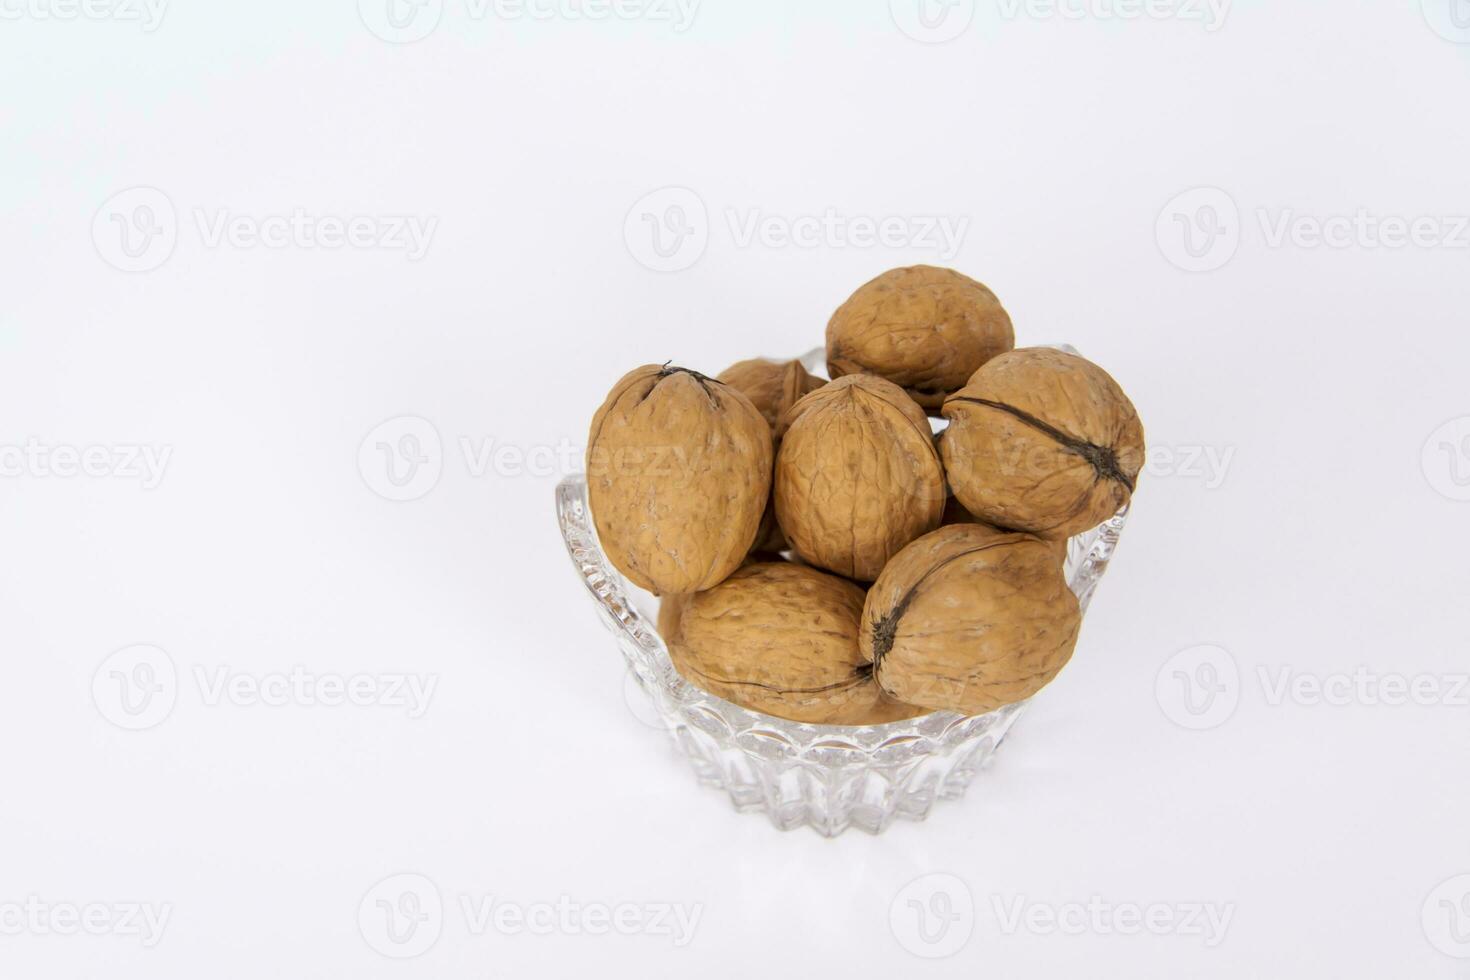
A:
x: 970, y: 620
x: 955, y: 513
x: 678, y: 475
x: 1042, y: 441
x: 772, y: 386
x: 780, y: 639
x: 670, y: 611
x: 857, y: 476
x: 924, y: 328
x: 883, y: 711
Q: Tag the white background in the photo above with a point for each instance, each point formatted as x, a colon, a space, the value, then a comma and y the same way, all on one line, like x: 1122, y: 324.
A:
x: 1332, y: 540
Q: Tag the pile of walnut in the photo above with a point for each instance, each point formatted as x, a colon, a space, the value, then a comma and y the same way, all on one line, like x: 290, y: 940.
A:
x: 924, y: 573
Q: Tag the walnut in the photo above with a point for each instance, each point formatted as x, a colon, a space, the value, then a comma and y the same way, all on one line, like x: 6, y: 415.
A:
x: 969, y: 620
x: 955, y: 513
x: 780, y: 639
x: 857, y: 476
x: 678, y: 475
x: 882, y: 712
x: 1042, y: 441
x: 670, y: 611
x: 772, y: 386
x: 924, y: 328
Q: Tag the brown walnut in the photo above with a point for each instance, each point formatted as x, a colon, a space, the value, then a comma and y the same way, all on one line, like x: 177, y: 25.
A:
x: 772, y: 386
x: 678, y: 475
x: 781, y: 639
x: 969, y: 620
x: 1042, y: 441
x: 857, y: 476
x: 924, y: 328
x: 882, y: 712
x: 955, y: 513
x: 670, y: 610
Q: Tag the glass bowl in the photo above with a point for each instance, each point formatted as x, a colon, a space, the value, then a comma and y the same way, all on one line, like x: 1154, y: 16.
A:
x: 827, y: 777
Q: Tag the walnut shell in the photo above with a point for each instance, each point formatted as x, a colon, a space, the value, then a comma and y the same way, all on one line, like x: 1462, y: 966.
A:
x: 926, y: 329
x: 955, y: 513
x: 857, y: 476
x: 671, y: 605
x: 1042, y: 441
x: 882, y: 712
x: 969, y: 620
x: 772, y: 386
x: 781, y: 639
x: 670, y: 611
x: 678, y: 475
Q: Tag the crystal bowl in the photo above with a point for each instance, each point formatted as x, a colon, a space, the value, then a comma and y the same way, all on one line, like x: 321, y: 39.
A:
x: 827, y: 777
